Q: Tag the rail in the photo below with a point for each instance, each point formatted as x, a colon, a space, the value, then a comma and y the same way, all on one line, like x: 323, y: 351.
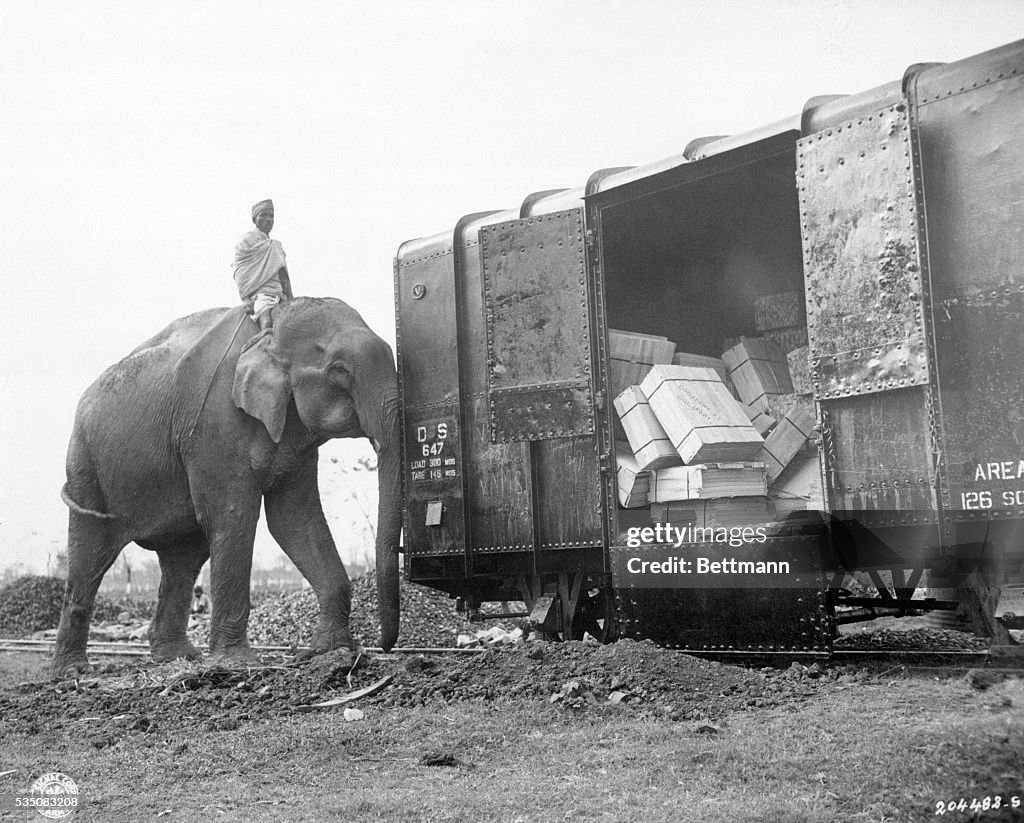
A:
x: 113, y: 647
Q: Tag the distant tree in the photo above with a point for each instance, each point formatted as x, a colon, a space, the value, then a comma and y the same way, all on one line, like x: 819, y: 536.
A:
x: 128, y: 578
x: 13, y: 572
x: 60, y: 563
x: 57, y: 562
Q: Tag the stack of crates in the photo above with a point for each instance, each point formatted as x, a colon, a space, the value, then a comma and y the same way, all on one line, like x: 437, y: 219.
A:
x: 716, y: 441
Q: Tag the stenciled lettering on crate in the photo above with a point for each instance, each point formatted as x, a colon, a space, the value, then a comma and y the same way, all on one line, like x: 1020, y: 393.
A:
x: 701, y: 418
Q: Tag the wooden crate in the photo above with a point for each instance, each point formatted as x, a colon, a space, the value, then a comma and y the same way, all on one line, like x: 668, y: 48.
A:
x: 788, y: 438
x: 631, y: 355
x: 800, y: 370
x: 758, y: 368
x: 650, y: 444
x: 783, y: 507
x: 762, y: 420
x: 702, y: 482
x: 799, y: 485
x: 678, y: 513
x: 723, y: 512
x: 787, y: 339
x: 704, y: 361
x: 633, y: 484
x: 779, y: 404
x: 779, y: 311
x: 704, y: 423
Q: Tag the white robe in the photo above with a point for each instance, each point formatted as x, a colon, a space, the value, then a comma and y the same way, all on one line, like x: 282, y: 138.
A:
x: 258, y: 259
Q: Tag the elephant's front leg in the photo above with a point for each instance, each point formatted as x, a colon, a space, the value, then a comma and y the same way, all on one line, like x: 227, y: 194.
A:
x: 296, y: 520
x: 228, y: 513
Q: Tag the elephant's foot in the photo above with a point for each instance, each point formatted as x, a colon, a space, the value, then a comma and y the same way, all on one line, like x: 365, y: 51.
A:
x: 233, y: 656
x: 68, y: 667
x: 173, y: 649
x: 328, y: 640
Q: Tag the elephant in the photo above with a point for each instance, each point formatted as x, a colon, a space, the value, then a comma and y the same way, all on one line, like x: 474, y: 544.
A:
x: 176, y: 446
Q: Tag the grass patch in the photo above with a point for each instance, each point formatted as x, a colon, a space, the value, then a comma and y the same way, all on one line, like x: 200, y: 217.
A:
x: 22, y: 667
x: 882, y: 750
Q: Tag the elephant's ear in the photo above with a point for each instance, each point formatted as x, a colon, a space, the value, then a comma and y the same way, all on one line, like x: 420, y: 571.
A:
x: 261, y: 387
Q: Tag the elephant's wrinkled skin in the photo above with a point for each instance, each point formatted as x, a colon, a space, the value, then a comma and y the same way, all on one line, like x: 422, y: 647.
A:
x: 176, y: 446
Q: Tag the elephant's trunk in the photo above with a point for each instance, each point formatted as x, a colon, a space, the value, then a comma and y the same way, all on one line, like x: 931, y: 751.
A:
x: 389, y: 518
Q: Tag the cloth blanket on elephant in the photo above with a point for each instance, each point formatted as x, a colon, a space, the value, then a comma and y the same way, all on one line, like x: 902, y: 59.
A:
x: 258, y: 260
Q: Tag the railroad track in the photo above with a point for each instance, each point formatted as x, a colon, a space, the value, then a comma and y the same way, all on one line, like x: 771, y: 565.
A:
x: 115, y: 648
x: 952, y: 659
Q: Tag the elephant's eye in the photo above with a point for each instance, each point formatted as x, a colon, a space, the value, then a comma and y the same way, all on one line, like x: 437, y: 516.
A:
x: 338, y: 375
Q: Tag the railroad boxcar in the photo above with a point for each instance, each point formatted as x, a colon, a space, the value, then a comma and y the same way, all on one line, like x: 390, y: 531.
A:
x: 896, y: 216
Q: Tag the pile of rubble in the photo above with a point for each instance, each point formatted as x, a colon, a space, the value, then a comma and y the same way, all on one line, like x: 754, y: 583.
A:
x: 30, y: 604
x: 633, y: 677
x: 428, y: 618
x: 581, y: 675
x: 917, y: 638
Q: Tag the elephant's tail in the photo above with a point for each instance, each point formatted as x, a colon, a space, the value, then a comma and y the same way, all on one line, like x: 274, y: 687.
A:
x: 71, y: 504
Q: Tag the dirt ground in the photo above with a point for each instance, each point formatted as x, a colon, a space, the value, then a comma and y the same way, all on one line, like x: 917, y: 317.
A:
x: 636, y: 678
x: 536, y: 731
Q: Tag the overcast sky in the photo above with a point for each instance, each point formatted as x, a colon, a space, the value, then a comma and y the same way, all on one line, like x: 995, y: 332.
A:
x: 135, y: 136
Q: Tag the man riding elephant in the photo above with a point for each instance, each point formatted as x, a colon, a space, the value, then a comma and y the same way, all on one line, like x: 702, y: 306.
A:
x: 177, y: 446
x: 259, y: 268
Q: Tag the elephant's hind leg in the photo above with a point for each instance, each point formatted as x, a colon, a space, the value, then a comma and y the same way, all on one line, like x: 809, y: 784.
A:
x: 180, y: 564
x: 296, y: 521
x: 93, y: 546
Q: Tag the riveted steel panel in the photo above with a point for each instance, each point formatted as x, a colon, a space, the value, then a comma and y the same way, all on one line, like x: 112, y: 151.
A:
x: 698, y: 611
x: 499, y: 487
x: 435, y: 518
x: 971, y: 135
x: 873, y: 368
x: 877, y: 453
x: 428, y: 367
x: 972, y: 147
x: 727, y: 620
x: 551, y: 410
x: 980, y: 341
x: 538, y: 329
x: 864, y: 289
x: 425, y: 305
x: 568, y: 492
x: 964, y: 76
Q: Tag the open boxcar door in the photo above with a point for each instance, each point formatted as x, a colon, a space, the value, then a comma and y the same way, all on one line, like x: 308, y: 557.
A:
x: 870, y: 340
x: 540, y: 391
x: 538, y: 328
x: 686, y: 247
